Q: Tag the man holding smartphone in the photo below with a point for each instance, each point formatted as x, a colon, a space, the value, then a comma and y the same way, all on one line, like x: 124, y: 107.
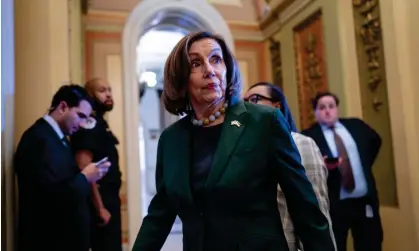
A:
x: 53, y: 191
x: 93, y: 143
x: 349, y: 147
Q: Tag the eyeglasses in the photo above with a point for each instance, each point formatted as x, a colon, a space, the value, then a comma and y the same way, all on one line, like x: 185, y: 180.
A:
x: 255, y: 98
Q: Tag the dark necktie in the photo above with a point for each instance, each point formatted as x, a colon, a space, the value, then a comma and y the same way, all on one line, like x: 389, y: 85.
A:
x: 347, y: 175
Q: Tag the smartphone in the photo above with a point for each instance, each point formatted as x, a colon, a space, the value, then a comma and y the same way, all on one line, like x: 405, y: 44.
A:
x: 330, y: 160
x: 100, y: 162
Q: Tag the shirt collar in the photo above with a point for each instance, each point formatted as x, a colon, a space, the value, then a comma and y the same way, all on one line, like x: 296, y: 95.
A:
x: 326, y: 128
x: 54, y: 125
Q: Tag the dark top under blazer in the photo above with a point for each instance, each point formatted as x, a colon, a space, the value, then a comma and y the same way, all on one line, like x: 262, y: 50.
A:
x: 53, y: 194
x: 239, y: 210
x: 368, y: 143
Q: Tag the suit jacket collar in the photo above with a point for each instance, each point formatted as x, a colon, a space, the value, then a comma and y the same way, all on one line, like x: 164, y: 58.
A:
x: 54, y: 126
x: 233, y: 127
x: 49, y: 129
x: 319, y: 138
x: 229, y: 138
x: 318, y: 134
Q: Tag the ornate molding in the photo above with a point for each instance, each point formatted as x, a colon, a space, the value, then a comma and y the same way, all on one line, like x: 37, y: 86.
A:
x: 312, y: 73
x: 368, y: 29
x: 310, y: 65
x: 374, y: 94
x: 273, y: 25
x: 275, y: 51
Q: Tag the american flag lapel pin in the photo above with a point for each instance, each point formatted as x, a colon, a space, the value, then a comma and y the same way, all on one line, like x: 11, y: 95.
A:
x: 235, y: 123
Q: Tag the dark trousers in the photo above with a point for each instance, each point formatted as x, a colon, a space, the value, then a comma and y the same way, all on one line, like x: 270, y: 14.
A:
x: 351, y: 214
x: 108, y: 237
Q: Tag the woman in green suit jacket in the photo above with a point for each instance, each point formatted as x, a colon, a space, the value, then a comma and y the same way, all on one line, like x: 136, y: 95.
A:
x: 218, y: 167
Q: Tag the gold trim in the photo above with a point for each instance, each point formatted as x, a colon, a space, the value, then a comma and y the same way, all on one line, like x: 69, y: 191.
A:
x: 375, y: 93
x: 309, y: 64
x: 276, y: 61
x: 369, y: 32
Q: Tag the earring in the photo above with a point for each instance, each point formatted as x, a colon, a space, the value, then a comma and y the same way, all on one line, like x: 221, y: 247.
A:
x: 231, y: 89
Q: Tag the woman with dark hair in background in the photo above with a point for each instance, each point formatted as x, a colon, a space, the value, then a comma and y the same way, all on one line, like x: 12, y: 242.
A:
x: 219, y: 166
x: 270, y: 95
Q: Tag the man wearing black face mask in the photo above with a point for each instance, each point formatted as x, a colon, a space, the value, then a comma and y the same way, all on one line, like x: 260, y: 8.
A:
x: 93, y: 142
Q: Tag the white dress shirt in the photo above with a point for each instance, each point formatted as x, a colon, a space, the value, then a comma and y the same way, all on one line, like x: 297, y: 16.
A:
x: 54, y: 126
x: 361, y: 187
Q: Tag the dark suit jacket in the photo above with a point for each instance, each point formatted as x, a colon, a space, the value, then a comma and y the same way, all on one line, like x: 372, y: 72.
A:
x: 53, y: 194
x: 240, y: 211
x: 368, y: 143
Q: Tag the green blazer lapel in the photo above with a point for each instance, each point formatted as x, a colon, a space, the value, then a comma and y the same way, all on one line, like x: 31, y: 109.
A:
x: 180, y: 159
x: 233, y: 128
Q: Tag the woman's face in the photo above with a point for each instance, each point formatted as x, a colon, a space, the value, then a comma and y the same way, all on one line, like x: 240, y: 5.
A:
x: 207, y: 81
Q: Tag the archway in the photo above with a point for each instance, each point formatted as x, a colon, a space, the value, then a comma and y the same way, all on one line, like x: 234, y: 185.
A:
x: 145, y: 16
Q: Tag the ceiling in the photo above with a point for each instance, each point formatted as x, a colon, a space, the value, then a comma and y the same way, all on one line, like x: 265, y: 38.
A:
x: 231, y: 10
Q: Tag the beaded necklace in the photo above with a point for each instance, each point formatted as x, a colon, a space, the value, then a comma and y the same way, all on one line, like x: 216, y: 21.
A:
x: 211, y: 118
